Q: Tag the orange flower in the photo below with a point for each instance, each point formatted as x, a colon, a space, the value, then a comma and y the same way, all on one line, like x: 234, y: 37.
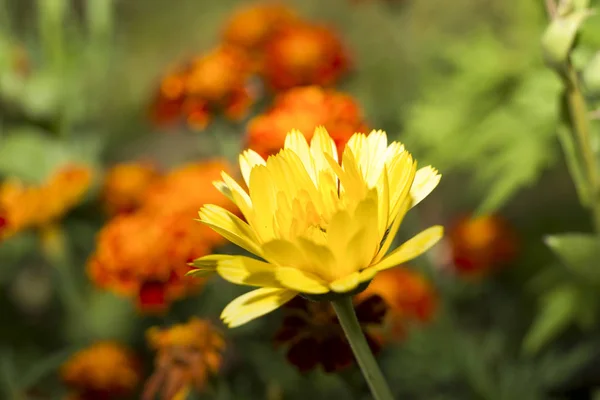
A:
x: 251, y: 27
x: 187, y: 354
x: 480, y: 244
x: 145, y: 254
x: 103, y: 371
x: 304, y: 54
x: 408, y: 295
x: 125, y: 186
x: 304, y: 109
x: 24, y: 207
x: 216, y: 81
x: 186, y: 189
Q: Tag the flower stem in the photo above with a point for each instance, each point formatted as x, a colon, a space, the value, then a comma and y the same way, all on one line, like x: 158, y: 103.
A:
x: 581, y: 126
x: 345, y: 312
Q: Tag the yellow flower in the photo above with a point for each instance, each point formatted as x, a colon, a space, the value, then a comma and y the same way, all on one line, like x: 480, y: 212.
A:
x: 322, y: 227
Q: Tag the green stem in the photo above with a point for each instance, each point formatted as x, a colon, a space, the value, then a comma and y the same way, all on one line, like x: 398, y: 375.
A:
x: 581, y: 126
x: 345, y: 312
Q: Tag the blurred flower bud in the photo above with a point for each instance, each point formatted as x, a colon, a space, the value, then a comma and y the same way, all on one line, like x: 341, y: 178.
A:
x: 591, y: 75
x: 559, y: 37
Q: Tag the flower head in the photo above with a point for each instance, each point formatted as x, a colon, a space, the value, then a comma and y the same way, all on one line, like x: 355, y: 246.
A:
x: 313, y: 335
x: 408, y: 295
x: 480, y: 244
x: 215, y: 82
x: 125, y: 186
x: 23, y: 206
x: 187, y: 354
x: 145, y: 254
x: 321, y: 227
x: 251, y: 27
x: 304, y: 54
x: 303, y: 109
x: 103, y: 371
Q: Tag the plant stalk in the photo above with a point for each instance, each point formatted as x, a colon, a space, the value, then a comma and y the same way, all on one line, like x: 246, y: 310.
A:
x: 581, y: 126
x: 368, y: 365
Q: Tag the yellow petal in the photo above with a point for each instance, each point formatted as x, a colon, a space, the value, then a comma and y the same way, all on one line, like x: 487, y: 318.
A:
x: 283, y: 253
x: 368, y: 151
x: 255, y: 304
x: 264, y: 201
x: 390, y: 234
x: 296, y: 142
x: 240, y: 197
x: 301, y: 281
x: 346, y: 284
x: 320, y: 259
x: 412, y: 248
x: 248, y: 160
x: 240, y: 270
x: 224, y: 189
x: 230, y: 227
x: 426, y: 179
x: 321, y: 144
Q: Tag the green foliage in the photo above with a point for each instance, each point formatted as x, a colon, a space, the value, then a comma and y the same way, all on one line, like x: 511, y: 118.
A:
x: 491, y: 112
x: 580, y: 253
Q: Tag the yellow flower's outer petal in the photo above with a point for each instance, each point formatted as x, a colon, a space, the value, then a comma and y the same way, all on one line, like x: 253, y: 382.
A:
x: 367, y: 275
x: 383, y: 212
x: 255, y: 304
x: 240, y: 197
x: 248, y: 160
x: 224, y: 189
x: 401, y: 177
x: 301, y: 281
x: 240, y: 270
x: 390, y: 234
x: 426, y: 179
x: 230, y: 227
x: 346, y: 283
x: 412, y: 248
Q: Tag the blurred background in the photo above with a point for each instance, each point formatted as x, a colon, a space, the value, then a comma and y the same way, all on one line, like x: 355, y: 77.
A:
x: 117, y: 116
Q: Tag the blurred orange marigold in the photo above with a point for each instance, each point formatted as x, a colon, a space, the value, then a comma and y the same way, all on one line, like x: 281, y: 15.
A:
x: 481, y: 244
x: 185, y: 190
x: 125, y: 185
x: 214, y: 82
x: 187, y: 354
x: 304, y: 54
x: 251, y: 27
x: 24, y: 207
x: 145, y: 254
x: 103, y: 371
x: 304, y: 109
x: 408, y: 295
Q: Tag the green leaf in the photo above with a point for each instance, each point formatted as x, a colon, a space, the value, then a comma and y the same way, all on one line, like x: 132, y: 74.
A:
x: 579, y: 252
x: 558, y: 310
